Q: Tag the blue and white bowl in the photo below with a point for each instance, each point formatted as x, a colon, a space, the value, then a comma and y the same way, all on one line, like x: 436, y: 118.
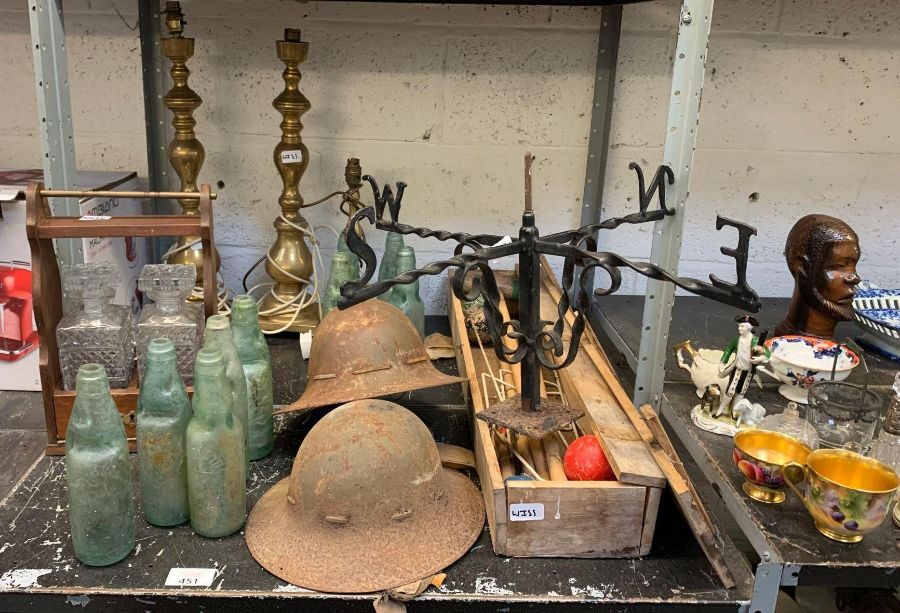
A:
x: 877, y: 312
x: 799, y: 361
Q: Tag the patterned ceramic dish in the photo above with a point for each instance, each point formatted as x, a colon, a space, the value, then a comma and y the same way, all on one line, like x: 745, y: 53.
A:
x: 799, y: 361
x: 877, y: 312
x: 848, y: 495
x: 761, y: 456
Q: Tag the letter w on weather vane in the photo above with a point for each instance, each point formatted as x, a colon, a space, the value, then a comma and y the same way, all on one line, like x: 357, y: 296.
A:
x: 531, y: 339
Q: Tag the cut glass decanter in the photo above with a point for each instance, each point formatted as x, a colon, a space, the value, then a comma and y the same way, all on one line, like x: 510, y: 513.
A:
x: 169, y: 316
x: 96, y: 332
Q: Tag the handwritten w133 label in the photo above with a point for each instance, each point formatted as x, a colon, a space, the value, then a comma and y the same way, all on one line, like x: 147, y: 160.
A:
x: 191, y: 577
x: 526, y: 511
x: 291, y: 157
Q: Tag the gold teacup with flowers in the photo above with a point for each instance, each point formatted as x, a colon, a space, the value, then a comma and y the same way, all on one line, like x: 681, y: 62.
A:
x: 847, y: 494
x: 761, y: 456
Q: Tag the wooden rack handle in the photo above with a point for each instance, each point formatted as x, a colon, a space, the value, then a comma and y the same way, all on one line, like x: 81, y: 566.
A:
x: 75, y: 193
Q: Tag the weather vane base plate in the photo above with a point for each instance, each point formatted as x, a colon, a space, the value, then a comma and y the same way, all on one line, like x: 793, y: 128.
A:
x: 551, y: 417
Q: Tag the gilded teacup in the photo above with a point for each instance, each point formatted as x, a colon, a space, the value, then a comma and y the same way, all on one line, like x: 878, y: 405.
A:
x: 847, y: 494
x: 761, y: 456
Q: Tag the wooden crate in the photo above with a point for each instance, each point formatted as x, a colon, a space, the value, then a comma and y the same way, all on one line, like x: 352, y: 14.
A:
x: 42, y: 228
x: 588, y: 519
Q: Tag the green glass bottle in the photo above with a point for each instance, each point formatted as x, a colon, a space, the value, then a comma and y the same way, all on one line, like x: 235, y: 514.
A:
x: 98, y: 473
x: 163, y: 413
x: 406, y: 297
x: 340, y: 272
x: 219, y: 336
x: 387, y: 268
x: 216, y: 466
x: 253, y: 352
x: 354, y: 259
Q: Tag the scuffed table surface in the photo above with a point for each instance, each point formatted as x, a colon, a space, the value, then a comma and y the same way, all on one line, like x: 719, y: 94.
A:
x: 785, y: 530
x: 39, y: 573
x: 38, y: 570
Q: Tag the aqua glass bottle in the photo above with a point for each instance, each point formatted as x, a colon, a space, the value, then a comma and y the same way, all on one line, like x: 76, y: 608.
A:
x: 340, y: 272
x: 163, y: 413
x: 406, y: 296
x: 253, y: 352
x: 354, y: 259
x: 98, y: 473
x: 387, y: 268
x: 219, y: 336
x: 216, y: 466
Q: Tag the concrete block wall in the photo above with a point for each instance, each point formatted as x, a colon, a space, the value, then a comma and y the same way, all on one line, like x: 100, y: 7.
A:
x: 798, y: 116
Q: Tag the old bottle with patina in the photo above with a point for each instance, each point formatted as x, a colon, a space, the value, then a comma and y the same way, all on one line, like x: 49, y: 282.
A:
x: 387, y: 266
x: 219, y: 336
x: 354, y: 259
x: 253, y: 352
x: 163, y: 413
x: 340, y: 272
x: 98, y: 473
x: 406, y: 296
x: 216, y: 460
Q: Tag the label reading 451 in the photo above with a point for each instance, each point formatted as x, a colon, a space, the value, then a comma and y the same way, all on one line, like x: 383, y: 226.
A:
x: 526, y: 511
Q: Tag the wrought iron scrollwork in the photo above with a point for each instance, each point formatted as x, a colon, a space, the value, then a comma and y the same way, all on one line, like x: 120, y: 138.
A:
x: 530, y: 339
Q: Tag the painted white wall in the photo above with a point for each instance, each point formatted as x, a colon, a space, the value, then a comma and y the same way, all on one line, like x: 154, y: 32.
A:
x: 800, y: 107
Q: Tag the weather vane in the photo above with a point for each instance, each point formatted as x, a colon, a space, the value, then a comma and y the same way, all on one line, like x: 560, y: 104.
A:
x: 532, y: 337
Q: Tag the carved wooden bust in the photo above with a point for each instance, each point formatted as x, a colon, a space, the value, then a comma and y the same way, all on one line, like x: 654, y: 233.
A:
x: 821, y: 253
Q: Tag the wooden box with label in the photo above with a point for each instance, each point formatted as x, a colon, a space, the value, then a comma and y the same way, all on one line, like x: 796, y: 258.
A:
x: 555, y: 517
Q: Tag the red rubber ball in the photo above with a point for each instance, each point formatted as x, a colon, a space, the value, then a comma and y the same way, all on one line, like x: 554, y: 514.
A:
x: 585, y: 461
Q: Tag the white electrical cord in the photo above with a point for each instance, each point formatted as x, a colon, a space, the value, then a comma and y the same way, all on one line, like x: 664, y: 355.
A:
x: 305, y: 298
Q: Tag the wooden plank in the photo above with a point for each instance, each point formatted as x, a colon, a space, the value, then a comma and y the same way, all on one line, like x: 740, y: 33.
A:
x: 453, y: 456
x: 145, y: 225
x: 577, y: 516
x: 586, y: 389
x: 492, y: 487
x: 688, y: 500
x: 651, y: 510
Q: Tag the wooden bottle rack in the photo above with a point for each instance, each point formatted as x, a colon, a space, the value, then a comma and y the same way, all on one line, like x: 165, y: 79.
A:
x: 42, y: 228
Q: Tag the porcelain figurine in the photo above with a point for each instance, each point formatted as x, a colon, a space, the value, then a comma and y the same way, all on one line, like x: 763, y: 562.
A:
x: 821, y: 253
x: 704, y: 371
x: 748, y: 351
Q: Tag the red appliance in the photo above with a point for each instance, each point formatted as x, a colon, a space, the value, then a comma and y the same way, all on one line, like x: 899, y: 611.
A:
x: 18, y: 337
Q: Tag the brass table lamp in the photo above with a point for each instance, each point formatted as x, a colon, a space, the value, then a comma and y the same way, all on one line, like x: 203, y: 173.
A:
x: 186, y: 154
x: 289, y: 262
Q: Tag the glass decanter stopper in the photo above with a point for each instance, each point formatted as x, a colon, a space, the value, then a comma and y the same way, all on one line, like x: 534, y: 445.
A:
x: 98, y: 473
x: 219, y: 336
x: 97, y: 332
x: 790, y: 423
x: 406, y: 297
x: 253, y: 352
x: 340, y: 272
x: 163, y: 412
x: 216, y: 466
x: 169, y: 316
x: 387, y: 268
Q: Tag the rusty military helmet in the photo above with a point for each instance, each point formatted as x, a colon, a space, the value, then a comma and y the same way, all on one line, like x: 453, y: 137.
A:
x: 366, y: 351
x: 368, y: 505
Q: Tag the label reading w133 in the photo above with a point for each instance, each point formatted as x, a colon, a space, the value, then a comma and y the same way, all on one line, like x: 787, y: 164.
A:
x: 526, y: 511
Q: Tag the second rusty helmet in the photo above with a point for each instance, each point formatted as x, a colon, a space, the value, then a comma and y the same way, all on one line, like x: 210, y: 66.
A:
x: 367, y: 505
x: 366, y: 351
